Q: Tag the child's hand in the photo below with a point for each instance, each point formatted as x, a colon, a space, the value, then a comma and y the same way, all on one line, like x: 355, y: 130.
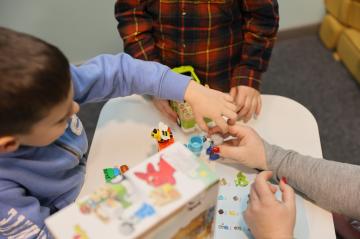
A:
x: 164, y: 107
x: 248, y: 102
x: 247, y: 148
x: 266, y: 216
x: 210, y: 103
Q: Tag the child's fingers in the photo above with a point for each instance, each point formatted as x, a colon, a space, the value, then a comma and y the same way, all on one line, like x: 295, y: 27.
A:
x: 170, y: 113
x: 231, y: 121
x: 230, y: 106
x: 230, y: 97
x: 239, y: 100
x: 201, y: 123
x: 230, y: 114
x: 245, y: 109
x: 233, y: 92
x: 222, y: 124
x: 163, y: 107
x: 214, y: 130
x: 251, y: 111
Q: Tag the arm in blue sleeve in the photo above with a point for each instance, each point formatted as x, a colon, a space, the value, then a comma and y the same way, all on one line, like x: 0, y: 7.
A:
x: 108, y: 76
x: 21, y: 216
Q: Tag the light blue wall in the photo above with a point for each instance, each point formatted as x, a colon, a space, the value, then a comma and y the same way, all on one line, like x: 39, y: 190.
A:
x: 85, y: 28
x: 297, y: 13
x: 81, y: 28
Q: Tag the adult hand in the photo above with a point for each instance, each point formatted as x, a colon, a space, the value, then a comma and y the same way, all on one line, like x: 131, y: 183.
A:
x: 247, y: 100
x: 210, y: 103
x: 164, y: 107
x: 247, y: 147
x: 266, y: 216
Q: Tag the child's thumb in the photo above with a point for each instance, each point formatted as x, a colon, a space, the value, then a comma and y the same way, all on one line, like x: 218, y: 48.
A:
x: 288, y: 194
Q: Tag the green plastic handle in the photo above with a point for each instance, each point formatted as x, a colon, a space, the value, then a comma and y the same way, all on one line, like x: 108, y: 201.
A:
x: 184, y: 69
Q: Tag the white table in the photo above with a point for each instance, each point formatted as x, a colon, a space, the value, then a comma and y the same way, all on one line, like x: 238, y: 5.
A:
x: 122, y: 136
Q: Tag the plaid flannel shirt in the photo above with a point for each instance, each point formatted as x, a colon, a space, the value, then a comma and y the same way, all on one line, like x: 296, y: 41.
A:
x: 228, y: 42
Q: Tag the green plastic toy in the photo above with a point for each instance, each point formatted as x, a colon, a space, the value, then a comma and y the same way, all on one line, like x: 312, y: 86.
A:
x: 241, y: 180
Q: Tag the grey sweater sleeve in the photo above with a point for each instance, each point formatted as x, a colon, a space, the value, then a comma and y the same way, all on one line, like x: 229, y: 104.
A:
x: 331, y: 185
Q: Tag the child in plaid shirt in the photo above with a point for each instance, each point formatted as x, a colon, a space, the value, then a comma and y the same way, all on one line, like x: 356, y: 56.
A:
x: 228, y: 42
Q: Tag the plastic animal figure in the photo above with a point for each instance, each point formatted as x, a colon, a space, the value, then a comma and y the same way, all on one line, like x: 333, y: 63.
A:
x: 163, y: 136
x: 158, y: 178
x: 241, y: 180
x: 115, y: 175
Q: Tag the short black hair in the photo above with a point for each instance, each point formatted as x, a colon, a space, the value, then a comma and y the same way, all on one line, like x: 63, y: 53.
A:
x: 34, y: 77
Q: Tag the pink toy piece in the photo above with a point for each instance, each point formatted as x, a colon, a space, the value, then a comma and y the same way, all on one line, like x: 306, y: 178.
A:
x: 158, y: 178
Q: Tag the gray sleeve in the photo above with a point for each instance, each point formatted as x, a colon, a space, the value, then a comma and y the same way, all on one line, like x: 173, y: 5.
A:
x: 331, y: 185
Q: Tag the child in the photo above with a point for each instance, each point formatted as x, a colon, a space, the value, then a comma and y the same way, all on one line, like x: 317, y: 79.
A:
x: 229, y: 43
x: 42, y: 143
x: 331, y: 185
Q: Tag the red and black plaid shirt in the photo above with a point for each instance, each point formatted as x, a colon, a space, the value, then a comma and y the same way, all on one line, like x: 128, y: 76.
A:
x: 228, y: 42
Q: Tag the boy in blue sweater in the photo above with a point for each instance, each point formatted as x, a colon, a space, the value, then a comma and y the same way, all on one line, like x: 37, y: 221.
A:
x: 42, y: 142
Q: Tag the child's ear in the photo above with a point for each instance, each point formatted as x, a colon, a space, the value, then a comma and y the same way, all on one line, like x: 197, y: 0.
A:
x: 8, y: 144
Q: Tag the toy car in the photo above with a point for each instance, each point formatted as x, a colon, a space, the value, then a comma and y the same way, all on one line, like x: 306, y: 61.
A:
x: 186, y: 119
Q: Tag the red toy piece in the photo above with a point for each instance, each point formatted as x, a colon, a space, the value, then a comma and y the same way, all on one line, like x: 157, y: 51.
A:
x: 123, y: 168
x: 213, y: 152
x: 216, y: 149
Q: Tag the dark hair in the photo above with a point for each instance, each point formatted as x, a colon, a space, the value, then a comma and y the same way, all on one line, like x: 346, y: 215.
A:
x: 34, y: 77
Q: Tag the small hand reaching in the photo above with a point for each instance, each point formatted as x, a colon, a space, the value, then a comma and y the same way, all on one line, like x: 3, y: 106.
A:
x: 212, y: 104
x: 247, y: 100
x: 164, y: 107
